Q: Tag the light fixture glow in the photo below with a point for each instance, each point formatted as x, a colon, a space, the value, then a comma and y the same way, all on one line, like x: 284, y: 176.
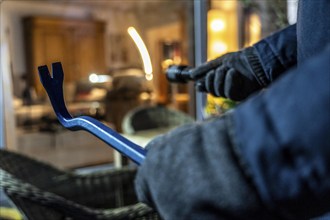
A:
x: 217, y: 25
x: 93, y: 78
x: 255, y: 29
x: 149, y: 77
x: 219, y: 47
x: 143, y: 51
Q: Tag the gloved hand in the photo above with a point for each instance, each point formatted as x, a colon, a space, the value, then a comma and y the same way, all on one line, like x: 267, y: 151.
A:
x: 234, y: 75
x: 192, y: 173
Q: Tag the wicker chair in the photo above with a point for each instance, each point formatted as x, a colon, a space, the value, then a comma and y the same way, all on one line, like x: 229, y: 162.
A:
x: 41, y: 191
x: 154, y: 117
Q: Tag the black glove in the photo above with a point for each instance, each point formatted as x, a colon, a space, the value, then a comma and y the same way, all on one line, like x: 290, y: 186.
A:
x: 234, y: 75
x: 192, y: 173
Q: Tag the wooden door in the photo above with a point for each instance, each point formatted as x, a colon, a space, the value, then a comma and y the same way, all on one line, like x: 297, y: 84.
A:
x: 77, y: 44
x: 88, y: 51
x: 54, y: 46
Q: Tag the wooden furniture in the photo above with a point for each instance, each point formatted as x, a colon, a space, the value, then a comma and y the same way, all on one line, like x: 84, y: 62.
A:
x: 78, y: 44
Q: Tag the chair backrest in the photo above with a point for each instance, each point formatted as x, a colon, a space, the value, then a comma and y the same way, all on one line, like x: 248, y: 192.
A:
x: 145, y: 118
x: 30, y: 170
x: 63, y: 195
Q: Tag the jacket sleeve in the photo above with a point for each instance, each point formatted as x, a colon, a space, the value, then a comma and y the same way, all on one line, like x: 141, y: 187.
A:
x: 278, y: 52
x: 192, y: 173
x: 282, y: 137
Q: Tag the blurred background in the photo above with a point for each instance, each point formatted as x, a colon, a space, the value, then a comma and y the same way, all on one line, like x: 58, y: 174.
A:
x: 114, y: 55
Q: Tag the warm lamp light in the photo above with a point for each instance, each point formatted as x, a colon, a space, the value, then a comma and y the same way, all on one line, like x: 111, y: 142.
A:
x: 97, y: 78
x: 228, y: 5
x: 225, y: 5
x: 217, y: 25
x: 149, y: 77
x: 255, y: 29
x: 93, y: 78
x: 219, y: 47
x: 143, y: 52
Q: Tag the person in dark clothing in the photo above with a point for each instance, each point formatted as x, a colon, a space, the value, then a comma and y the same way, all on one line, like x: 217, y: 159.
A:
x: 270, y: 157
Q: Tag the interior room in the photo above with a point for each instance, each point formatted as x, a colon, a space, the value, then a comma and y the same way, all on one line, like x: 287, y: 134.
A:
x: 114, y: 56
x: 105, y: 74
x: 93, y: 41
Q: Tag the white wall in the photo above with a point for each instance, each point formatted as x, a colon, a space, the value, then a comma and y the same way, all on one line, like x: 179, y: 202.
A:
x: 2, y: 129
x: 7, y: 121
x: 2, y: 119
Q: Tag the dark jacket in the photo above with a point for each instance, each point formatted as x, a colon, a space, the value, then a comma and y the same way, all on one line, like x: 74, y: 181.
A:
x: 283, y: 135
x: 267, y: 159
x: 295, y: 44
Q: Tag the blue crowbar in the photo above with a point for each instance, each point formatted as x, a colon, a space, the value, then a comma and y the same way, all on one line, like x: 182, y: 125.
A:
x: 53, y: 84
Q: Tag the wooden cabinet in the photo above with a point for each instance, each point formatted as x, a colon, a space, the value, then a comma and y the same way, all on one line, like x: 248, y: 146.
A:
x: 78, y: 44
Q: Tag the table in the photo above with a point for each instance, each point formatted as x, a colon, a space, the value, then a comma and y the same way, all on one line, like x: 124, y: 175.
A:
x: 141, y: 138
